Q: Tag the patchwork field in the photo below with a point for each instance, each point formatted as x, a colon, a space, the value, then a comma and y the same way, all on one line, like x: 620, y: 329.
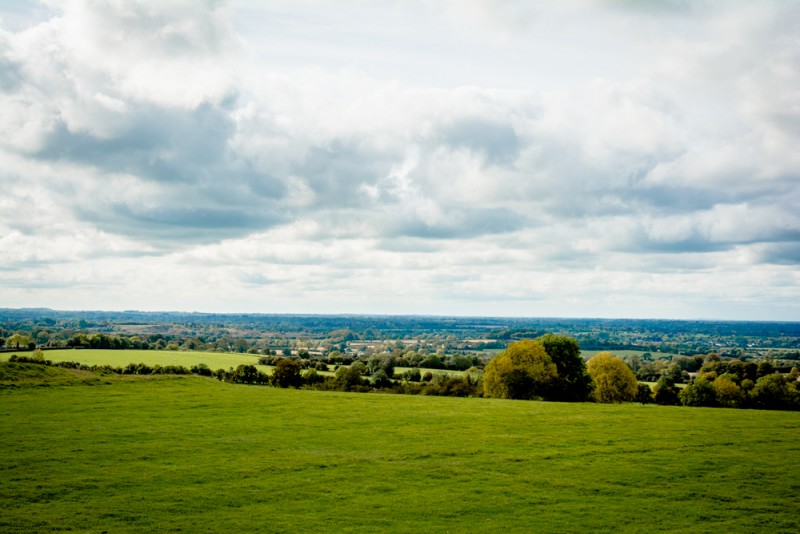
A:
x: 133, y: 454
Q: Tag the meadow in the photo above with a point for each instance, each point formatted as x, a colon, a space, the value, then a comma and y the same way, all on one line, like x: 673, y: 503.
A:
x: 133, y: 454
x: 121, y: 358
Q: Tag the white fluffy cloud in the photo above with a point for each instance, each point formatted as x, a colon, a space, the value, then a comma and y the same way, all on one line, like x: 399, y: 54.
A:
x: 496, y: 157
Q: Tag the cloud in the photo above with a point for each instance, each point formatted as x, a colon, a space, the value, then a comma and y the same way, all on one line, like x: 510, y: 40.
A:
x: 500, y: 152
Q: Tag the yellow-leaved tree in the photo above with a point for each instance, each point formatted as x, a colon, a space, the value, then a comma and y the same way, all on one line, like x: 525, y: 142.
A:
x: 613, y: 379
x: 522, y: 371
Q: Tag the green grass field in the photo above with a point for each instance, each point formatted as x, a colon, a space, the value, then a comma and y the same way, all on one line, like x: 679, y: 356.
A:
x: 134, y: 454
x: 622, y: 353
x: 121, y: 358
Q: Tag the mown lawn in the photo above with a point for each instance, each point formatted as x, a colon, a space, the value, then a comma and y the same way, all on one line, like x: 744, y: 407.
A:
x: 192, y: 454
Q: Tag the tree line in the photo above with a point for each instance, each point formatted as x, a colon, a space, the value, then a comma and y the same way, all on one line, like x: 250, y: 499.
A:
x: 548, y: 368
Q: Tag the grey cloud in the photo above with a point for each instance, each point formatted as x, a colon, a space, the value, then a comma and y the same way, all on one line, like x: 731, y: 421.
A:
x: 408, y: 244
x: 496, y: 140
x: 10, y: 76
x: 154, y: 142
x: 205, y: 192
x: 335, y: 172
x: 196, y: 224
x: 781, y: 253
x: 457, y: 223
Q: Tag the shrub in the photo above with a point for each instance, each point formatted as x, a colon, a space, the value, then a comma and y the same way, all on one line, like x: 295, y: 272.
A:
x: 201, y: 369
x: 412, y: 375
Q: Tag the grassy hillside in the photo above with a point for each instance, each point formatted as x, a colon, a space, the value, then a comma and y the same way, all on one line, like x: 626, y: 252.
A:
x: 190, y: 454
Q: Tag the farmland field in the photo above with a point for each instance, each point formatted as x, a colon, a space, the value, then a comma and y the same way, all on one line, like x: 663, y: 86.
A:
x: 139, y: 454
x: 121, y: 358
x: 625, y: 353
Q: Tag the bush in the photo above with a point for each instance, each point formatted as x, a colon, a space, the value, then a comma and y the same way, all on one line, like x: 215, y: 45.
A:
x: 247, y: 374
x: 412, y: 375
x: 201, y: 369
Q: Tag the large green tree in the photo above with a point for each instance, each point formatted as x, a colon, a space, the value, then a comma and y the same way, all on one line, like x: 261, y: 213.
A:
x: 573, y: 382
x: 613, y: 379
x: 699, y: 392
x: 287, y: 374
x: 522, y: 371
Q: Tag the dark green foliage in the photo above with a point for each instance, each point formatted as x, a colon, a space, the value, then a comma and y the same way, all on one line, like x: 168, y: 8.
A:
x: 690, y: 365
x: 699, y: 392
x: 349, y: 379
x: 286, y: 375
x: 452, y: 386
x: 675, y: 374
x: 665, y: 393
x: 413, y: 375
x: 765, y: 368
x: 247, y: 374
x: 384, y: 362
x: 381, y: 380
x: 773, y: 392
x: 644, y: 394
x: 432, y: 361
x: 573, y: 382
x: 312, y: 377
x: 201, y: 369
x: 648, y: 372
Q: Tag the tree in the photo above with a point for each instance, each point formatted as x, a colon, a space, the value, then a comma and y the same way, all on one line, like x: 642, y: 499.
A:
x: 644, y: 394
x: 613, y: 379
x: 247, y: 374
x: 699, y: 392
x: 18, y: 340
x: 765, y: 368
x: 665, y: 392
x: 384, y: 362
x: 729, y: 394
x: 349, y: 378
x: 287, y: 375
x: 772, y: 392
x: 313, y: 377
x: 523, y: 371
x: 573, y: 383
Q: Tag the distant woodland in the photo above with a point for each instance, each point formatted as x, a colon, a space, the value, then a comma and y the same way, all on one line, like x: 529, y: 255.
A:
x: 694, y: 363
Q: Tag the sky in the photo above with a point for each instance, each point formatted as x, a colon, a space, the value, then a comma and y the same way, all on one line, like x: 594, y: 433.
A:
x: 585, y: 158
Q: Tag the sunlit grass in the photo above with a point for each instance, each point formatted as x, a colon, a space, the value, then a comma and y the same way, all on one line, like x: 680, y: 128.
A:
x: 193, y: 454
